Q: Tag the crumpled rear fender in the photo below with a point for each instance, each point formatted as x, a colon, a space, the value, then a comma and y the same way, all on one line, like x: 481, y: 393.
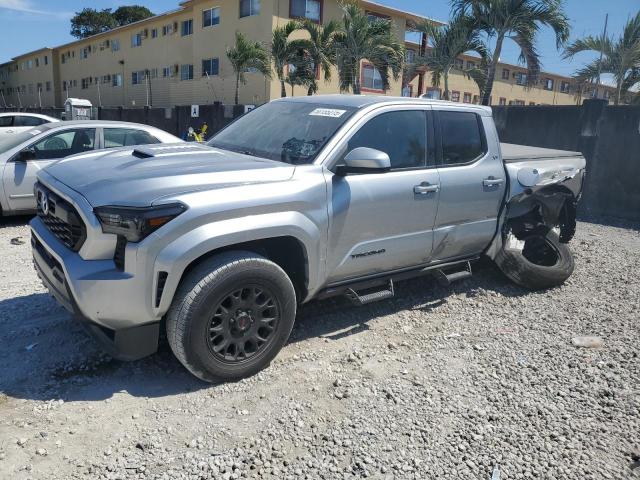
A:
x: 547, y: 189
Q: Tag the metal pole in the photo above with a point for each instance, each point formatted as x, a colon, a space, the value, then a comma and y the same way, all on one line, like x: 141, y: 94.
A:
x: 19, y: 99
x: 99, y: 96
x: 146, y: 76
x: 3, y: 99
x: 604, y: 35
x: 40, y: 97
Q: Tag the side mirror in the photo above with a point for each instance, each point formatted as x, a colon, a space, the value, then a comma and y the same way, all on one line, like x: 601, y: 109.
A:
x: 364, y: 160
x: 26, y: 155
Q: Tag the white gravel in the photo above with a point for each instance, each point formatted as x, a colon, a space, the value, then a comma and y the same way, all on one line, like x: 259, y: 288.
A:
x: 439, y: 383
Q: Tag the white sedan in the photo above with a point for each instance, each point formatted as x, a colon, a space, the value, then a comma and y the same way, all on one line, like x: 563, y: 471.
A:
x: 16, y: 122
x: 23, y: 154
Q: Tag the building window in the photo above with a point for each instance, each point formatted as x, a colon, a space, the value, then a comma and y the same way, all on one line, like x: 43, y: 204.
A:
x: 136, y: 40
x: 186, y: 72
x: 187, y: 28
x: 371, y: 78
x: 410, y: 56
x: 521, y: 78
x: 532, y: 103
x: 29, y: 64
x: 606, y: 95
x: 84, y: 52
x: 210, y: 66
x: 249, y: 8
x: 84, y: 83
x: 47, y: 86
x: 502, y: 101
x: 310, y: 9
x: 37, y: 62
x: 137, y: 77
x: 115, y: 45
x: 476, y: 100
x: 471, y: 65
x: 455, y: 96
x: 548, y: 83
x: 505, y: 73
x: 116, y: 80
x: 46, y: 60
x: 565, y: 87
x: 458, y: 63
x: 154, y: 33
x: 377, y: 17
x: 433, y: 93
x: 166, y: 72
x: 466, y: 98
x: 210, y: 17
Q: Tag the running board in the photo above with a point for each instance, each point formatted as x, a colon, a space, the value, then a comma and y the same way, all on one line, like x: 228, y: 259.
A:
x: 445, y: 279
x: 375, y: 296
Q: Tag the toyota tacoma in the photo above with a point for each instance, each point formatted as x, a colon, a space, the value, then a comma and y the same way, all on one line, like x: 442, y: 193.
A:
x: 302, y: 198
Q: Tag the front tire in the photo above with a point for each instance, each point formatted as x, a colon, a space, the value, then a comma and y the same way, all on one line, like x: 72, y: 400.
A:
x: 544, y: 262
x: 231, y: 316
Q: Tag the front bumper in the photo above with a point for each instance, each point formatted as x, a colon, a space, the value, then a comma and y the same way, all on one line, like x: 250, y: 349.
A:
x: 87, y: 288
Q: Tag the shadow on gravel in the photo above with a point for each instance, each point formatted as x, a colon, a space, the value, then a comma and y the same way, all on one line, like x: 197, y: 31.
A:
x: 47, y: 355
x: 15, y: 221
x: 338, y: 318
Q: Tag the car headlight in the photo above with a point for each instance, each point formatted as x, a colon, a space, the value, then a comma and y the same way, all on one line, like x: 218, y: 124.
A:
x: 136, y: 223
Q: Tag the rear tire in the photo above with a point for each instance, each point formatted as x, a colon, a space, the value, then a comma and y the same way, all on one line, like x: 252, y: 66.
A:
x: 231, y: 316
x: 544, y: 262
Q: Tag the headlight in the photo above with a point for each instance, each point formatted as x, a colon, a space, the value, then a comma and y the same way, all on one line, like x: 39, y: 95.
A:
x: 135, y: 223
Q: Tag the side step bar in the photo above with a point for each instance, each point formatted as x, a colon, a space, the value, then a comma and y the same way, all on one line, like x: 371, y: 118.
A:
x: 374, y: 296
x: 447, y: 278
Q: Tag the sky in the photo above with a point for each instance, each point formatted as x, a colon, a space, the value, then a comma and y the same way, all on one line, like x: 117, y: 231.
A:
x: 27, y: 25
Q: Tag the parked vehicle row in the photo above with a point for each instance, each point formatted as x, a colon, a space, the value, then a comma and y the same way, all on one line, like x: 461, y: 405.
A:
x: 301, y: 198
x: 16, y: 122
x: 25, y: 153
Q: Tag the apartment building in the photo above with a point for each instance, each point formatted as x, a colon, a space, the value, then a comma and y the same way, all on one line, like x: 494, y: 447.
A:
x: 179, y: 58
x: 510, y: 87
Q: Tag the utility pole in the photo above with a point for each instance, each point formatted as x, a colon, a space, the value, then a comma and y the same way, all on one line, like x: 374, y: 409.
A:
x: 604, y: 36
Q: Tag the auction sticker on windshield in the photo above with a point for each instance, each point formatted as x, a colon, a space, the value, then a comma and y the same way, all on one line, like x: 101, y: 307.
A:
x: 327, y: 112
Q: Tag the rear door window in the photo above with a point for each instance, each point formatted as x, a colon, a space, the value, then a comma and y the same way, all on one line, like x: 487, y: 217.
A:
x: 462, y: 137
x: 124, y: 137
x: 6, y: 121
x: 26, y: 121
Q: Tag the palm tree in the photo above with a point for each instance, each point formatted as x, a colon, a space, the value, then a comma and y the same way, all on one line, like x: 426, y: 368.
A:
x: 281, y: 51
x: 447, y: 43
x: 519, y: 20
x: 360, y: 38
x: 302, y: 72
x: 244, y: 55
x: 620, y: 58
x: 319, y: 48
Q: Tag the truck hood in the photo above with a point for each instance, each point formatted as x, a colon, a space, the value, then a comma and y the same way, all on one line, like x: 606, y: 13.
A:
x: 140, y: 176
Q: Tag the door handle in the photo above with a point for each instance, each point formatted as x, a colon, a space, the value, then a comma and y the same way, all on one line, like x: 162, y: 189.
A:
x: 426, y: 188
x: 492, y: 182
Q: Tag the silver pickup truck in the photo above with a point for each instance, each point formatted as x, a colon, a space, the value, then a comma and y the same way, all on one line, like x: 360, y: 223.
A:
x: 301, y: 198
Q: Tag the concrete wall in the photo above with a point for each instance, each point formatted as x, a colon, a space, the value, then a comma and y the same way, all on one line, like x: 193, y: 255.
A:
x: 608, y: 137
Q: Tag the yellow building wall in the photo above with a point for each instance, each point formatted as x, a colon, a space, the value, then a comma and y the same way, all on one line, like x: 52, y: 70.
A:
x: 28, y: 73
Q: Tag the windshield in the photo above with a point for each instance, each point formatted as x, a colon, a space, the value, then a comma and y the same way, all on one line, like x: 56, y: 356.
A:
x: 291, y: 132
x: 7, y: 142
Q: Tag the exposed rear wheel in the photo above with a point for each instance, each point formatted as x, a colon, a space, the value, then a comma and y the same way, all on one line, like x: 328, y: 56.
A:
x: 539, y: 261
x: 231, y: 316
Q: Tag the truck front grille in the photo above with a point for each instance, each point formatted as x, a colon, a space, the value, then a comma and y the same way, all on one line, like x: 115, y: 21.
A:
x: 60, y: 218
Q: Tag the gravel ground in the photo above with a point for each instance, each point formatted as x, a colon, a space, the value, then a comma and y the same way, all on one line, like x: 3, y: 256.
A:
x: 438, y: 383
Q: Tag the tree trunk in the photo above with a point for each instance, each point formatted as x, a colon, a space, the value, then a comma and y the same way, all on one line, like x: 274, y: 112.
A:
x: 356, y: 80
x: 310, y: 90
x: 237, y: 88
x: 491, y: 74
x: 283, y: 90
x: 445, y: 96
x: 618, y: 92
